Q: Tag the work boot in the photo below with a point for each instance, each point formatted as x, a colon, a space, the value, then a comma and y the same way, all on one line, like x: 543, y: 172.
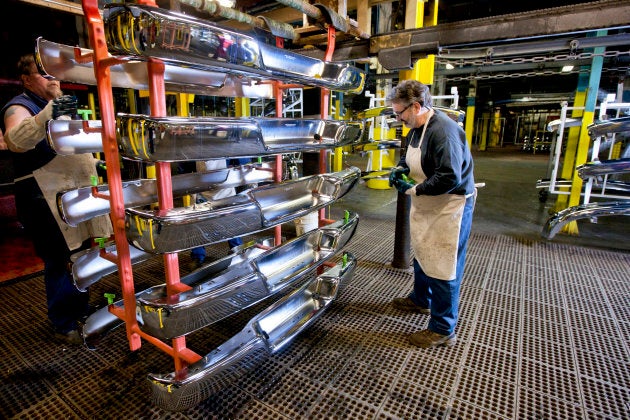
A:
x: 407, y: 305
x: 426, y: 339
x: 71, y: 338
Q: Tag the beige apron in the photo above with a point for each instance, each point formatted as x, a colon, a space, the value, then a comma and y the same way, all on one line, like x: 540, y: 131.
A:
x: 67, y: 172
x: 434, y: 222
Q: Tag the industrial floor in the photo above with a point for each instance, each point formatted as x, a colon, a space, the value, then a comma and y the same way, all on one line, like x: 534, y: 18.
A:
x: 544, y: 330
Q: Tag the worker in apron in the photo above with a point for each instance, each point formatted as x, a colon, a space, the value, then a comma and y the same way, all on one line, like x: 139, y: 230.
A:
x: 437, y: 172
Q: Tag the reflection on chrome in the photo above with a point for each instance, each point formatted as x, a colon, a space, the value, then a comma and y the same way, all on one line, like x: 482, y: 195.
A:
x: 102, y: 322
x: 78, y: 205
x: 264, y: 334
x: 60, y: 62
x: 614, y: 125
x: 243, y: 285
x: 151, y: 32
x: 88, y: 267
x: 603, y: 167
x: 584, y: 211
x: 178, y: 229
x: 176, y: 138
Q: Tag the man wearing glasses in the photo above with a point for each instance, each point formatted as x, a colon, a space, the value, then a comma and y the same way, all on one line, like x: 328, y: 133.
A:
x: 39, y: 175
x: 436, y: 170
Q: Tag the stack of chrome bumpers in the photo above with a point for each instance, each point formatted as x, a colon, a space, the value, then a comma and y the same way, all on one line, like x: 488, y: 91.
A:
x: 204, y: 58
x: 594, y: 170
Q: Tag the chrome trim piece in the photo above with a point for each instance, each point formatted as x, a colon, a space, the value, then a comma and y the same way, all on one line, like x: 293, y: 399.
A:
x: 166, y: 139
x: 584, y: 211
x: 266, y: 333
x: 568, y: 122
x: 603, y: 167
x: 60, y: 62
x: 243, y: 285
x: 78, y: 205
x: 102, y: 322
x: 149, y: 32
x: 178, y: 229
x: 89, y: 267
x: 615, y: 125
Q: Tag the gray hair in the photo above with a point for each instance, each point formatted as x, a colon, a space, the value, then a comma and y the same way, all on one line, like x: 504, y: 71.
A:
x: 409, y: 91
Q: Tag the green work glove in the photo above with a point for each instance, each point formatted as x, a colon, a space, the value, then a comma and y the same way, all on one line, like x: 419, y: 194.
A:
x: 404, y: 186
x: 396, y: 173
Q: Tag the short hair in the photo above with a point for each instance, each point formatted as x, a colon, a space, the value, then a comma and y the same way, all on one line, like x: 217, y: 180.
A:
x: 410, y: 91
x: 25, y: 63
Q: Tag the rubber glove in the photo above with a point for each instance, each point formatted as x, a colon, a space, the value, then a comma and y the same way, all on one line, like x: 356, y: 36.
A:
x: 403, y: 185
x: 396, y: 174
x: 64, y: 105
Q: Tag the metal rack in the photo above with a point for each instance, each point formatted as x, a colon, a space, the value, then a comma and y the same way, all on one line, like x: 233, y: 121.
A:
x: 196, y: 377
x: 595, y: 173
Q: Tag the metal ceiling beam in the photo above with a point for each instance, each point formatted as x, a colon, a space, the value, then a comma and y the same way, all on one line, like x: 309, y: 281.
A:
x: 399, y: 50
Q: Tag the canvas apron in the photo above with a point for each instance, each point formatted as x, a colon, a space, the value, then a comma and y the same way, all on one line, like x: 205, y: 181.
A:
x: 434, y: 222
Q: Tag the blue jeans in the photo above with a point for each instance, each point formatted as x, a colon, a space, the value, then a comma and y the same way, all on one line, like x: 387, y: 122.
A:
x: 66, y: 304
x: 442, y: 296
x: 199, y: 253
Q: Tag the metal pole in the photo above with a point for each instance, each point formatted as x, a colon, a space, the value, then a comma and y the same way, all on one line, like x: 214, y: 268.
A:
x: 402, y: 237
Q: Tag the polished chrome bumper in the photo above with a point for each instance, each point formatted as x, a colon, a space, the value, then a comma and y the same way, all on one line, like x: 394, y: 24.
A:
x: 78, y: 205
x: 150, y: 32
x: 265, y: 334
x: 615, y: 125
x: 243, y: 285
x: 63, y: 63
x: 584, y: 211
x: 178, y: 229
x: 603, y: 167
x: 176, y: 138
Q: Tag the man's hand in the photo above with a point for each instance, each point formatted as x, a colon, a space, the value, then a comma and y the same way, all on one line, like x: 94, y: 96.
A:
x: 64, y: 105
x: 404, y: 186
x: 396, y: 173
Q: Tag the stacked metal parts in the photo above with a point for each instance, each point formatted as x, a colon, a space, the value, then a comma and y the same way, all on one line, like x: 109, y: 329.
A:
x: 201, y: 57
x: 596, y: 175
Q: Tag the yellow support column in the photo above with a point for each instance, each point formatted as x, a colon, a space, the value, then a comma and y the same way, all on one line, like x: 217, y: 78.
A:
x: 423, y: 70
x: 337, y: 162
x: 470, y: 114
x: 584, y: 141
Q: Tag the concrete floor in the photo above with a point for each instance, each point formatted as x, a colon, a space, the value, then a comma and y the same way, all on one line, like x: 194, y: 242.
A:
x: 543, y: 334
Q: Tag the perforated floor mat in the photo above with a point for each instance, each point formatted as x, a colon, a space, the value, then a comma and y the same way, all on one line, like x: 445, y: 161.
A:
x: 544, y: 333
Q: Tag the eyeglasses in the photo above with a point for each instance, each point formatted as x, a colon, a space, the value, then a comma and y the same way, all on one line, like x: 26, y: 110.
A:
x: 399, y: 114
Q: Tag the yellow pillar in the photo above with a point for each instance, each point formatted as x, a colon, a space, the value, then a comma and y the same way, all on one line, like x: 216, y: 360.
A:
x: 573, y: 136
x: 423, y: 69
x: 470, y: 118
x: 241, y: 107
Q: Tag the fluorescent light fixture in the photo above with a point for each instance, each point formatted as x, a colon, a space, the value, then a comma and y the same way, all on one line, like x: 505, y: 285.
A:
x: 567, y: 69
x: 227, y: 3
x: 449, y: 66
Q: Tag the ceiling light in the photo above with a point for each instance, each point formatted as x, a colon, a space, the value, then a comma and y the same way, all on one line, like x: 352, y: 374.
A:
x: 227, y: 3
x: 449, y: 66
x: 567, y: 69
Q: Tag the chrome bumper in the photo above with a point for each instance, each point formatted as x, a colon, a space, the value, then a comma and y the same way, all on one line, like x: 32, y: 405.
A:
x: 583, y: 211
x: 150, y: 32
x: 243, y: 285
x: 604, y: 167
x: 167, y: 139
x: 62, y: 62
x: 78, y: 205
x: 265, y: 334
x: 258, y: 209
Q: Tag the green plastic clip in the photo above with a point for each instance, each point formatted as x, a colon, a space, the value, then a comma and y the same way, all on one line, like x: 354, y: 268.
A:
x: 110, y: 298
x: 259, y: 159
x: 407, y: 179
x: 346, y: 216
x: 100, y: 242
x: 93, y: 180
x: 344, y: 260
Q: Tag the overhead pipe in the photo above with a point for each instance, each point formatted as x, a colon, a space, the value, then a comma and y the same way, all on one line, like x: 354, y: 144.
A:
x: 280, y: 29
x: 339, y: 22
